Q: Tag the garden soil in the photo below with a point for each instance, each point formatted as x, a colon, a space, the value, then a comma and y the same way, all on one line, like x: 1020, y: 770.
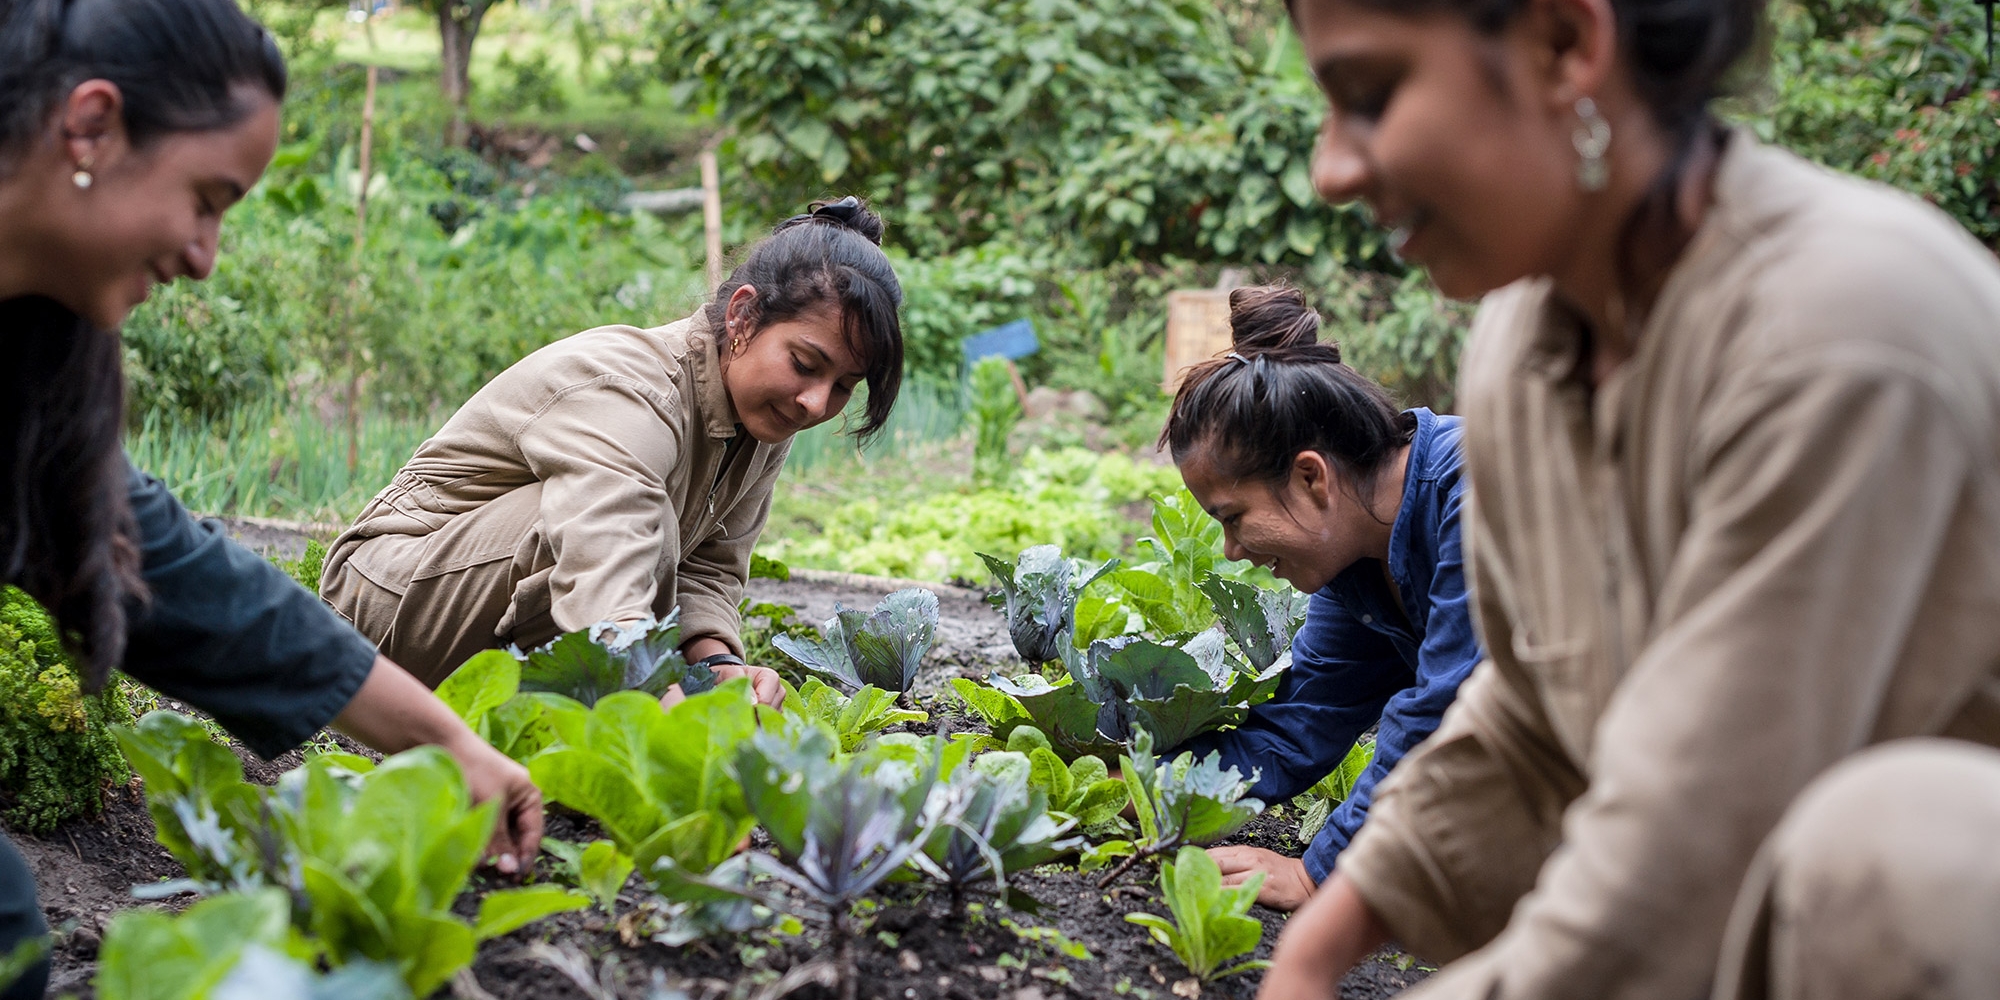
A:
x: 1071, y: 941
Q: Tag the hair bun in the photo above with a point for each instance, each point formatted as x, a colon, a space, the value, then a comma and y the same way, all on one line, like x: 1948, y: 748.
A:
x: 848, y: 213
x: 1271, y: 318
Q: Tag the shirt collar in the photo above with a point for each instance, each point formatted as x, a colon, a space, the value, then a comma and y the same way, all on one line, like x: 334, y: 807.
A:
x: 718, y: 414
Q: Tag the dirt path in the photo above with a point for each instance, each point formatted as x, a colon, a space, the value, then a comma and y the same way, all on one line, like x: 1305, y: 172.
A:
x: 914, y: 945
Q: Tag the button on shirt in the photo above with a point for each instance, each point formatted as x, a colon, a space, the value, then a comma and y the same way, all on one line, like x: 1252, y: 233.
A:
x: 1360, y: 660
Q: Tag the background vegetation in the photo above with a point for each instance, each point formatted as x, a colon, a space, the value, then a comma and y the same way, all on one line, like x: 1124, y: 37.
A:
x: 1062, y: 161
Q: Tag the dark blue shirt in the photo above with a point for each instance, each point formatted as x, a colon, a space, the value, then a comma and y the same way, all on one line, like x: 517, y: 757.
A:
x: 231, y: 634
x: 1360, y: 661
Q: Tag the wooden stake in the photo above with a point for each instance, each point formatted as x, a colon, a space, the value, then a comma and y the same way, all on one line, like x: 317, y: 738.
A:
x: 354, y: 288
x: 711, y: 215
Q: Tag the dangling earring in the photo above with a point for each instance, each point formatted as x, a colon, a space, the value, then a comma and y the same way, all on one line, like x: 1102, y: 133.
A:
x: 736, y: 344
x: 82, y: 178
x: 1591, y: 138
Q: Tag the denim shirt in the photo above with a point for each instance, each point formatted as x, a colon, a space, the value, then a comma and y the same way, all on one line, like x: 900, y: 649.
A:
x: 1359, y: 661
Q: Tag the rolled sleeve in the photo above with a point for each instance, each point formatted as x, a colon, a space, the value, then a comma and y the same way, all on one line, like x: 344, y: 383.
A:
x: 232, y: 635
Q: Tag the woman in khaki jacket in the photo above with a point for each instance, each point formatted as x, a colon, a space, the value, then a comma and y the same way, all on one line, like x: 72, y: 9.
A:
x: 621, y: 472
x: 1733, y: 431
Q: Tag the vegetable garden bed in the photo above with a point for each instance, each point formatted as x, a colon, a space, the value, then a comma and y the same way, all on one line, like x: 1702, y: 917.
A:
x: 1072, y: 940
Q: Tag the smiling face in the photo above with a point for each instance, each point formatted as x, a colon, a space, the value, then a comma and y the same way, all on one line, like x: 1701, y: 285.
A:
x: 1306, y: 528
x: 790, y: 375
x: 150, y: 214
x: 1459, y: 142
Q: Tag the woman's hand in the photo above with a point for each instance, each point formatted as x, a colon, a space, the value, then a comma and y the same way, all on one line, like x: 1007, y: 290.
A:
x: 394, y: 712
x: 765, y: 685
x: 1286, y: 886
x: 1332, y: 934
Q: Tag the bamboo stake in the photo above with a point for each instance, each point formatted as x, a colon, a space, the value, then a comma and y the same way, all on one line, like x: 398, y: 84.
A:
x: 711, y: 214
x: 360, y: 241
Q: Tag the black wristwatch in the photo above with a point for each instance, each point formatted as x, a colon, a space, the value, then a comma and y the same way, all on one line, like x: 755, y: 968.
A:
x: 713, y: 660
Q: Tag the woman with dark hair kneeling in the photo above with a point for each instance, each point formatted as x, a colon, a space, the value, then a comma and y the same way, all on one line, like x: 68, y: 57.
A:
x: 127, y: 129
x: 621, y: 473
x: 1312, y: 472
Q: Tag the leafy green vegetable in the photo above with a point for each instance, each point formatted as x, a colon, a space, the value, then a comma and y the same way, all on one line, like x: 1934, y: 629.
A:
x: 658, y: 778
x: 372, y: 856
x: 1334, y: 789
x: 1039, y: 594
x: 1003, y: 826
x: 1183, y: 802
x: 1184, y: 549
x: 606, y: 657
x: 1161, y: 689
x: 1064, y: 712
x: 853, y: 719
x: 883, y: 647
x: 1262, y: 620
x: 1209, y: 925
x: 57, y: 754
x: 603, y: 869
x: 1083, y: 789
x: 485, y: 692
x: 840, y: 825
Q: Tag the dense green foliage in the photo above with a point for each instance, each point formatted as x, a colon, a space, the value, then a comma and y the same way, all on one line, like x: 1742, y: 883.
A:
x: 234, y: 945
x: 57, y: 754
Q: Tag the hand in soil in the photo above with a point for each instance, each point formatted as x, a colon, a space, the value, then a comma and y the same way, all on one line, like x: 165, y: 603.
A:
x: 1320, y: 943
x: 517, y: 837
x: 765, y: 684
x: 1287, y: 886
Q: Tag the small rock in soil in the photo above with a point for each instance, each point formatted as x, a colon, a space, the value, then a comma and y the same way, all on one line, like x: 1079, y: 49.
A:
x: 909, y: 961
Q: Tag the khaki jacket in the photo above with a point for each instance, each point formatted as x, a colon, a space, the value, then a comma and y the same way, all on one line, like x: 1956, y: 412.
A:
x: 623, y: 431
x: 1770, y: 540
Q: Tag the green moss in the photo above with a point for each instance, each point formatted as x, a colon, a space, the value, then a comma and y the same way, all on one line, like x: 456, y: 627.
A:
x: 57, y: 756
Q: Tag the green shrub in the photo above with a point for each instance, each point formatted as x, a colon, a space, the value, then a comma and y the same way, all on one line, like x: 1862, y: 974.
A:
x: 57, y: 757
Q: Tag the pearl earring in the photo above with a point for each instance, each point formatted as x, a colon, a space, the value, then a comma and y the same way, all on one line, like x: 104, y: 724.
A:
x: 82, y: 178
x: 1591, y: 138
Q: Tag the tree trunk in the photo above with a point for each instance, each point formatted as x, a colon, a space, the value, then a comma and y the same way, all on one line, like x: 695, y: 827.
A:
x: 458, y: 26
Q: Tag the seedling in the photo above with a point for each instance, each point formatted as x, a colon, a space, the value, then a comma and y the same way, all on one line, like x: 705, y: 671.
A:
x: 1082, y: 790
x: 1039, y: 593
x: 658, y: 779
x: 883, y: 647
x: 607, y: 657
x: 1003, y: 827
x: 1209, y: 925
x: 854, y: 719
x: 840, y: 824
x: 1183, y: 802
x: 1334, y: 789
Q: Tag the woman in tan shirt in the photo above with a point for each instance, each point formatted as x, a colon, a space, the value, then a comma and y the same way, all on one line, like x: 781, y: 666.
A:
x: 622, y: 473
x: 1733, y: 430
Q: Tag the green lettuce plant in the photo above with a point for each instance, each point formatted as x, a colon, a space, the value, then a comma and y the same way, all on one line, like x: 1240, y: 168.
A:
x: 237, y: 946
x: 883, y: 647
x: 656, y: 778
x: 371, y: 857
x: 1181, y: 802
x: 486, y: 692
x: 1209, y: 925
x: 1082, y: 789
x: 606, y: 657
x: 1038, y: 593
x: 853, y: 719
x: 1334, y: 789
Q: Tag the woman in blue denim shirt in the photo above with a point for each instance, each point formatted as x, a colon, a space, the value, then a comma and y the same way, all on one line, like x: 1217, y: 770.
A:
x: 1313, y: 472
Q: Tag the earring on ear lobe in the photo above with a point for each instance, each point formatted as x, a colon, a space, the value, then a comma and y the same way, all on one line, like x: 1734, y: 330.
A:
x: 82, y: 178
x: 1591, y: 138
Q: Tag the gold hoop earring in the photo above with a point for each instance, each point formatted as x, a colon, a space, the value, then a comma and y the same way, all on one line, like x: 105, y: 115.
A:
x: 82, y: 178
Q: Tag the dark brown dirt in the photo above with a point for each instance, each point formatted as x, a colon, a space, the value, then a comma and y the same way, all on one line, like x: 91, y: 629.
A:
x: 911, y: 944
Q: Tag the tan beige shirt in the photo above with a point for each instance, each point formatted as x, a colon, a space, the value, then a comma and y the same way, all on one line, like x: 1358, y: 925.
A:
x: 1771, y: 539
x: 625, y: 431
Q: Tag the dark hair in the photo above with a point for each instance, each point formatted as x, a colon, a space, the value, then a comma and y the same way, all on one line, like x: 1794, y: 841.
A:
x: 830, y: 257
x: 1280, y: 392
x: 180, y: 65
x: 66, y: 531
x: 1680, y: 52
